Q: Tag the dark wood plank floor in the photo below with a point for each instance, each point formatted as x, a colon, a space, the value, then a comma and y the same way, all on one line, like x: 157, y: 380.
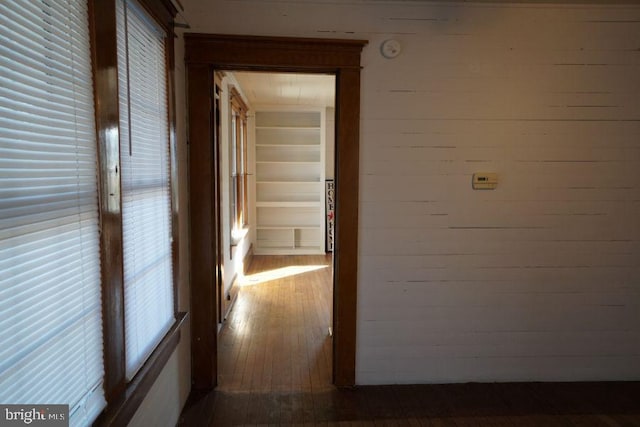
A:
x: 275, y: 364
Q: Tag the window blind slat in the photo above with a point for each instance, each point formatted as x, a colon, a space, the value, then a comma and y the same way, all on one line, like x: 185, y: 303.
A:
x: 32, y: 226
x: 50, y: 295
x: 23, y: 149
x: 38, y: 98
x: 43, y: 200
x: 43, y: 67
x: 42, y: 262
x: 66, y: 352
x: 36, y: 118
x: 25, y: 21
x: 43, y: 79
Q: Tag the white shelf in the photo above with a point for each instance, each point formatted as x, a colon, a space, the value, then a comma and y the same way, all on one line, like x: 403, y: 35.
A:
x: 289, y: 118
x: 288, y: 192
x: 289, y: 251
x: 289, y: 172
x: 285, y: 162
x: 289, y: 136
x: 263, y: 227
x: 288, y: 127
x: 288, y: 182
x: 280, y: 218
x: 308, y: 146
x: 277, y: 204
x: 289, y: 241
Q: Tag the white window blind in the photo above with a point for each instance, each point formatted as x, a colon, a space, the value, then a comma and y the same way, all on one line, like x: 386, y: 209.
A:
x: 50, y: 299
x: 146, y: 203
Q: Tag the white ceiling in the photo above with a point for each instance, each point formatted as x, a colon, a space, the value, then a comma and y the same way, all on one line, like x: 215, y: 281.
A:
x: 287, y: 88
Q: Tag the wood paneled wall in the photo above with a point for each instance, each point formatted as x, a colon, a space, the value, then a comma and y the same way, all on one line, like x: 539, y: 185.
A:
x: 536, y: 280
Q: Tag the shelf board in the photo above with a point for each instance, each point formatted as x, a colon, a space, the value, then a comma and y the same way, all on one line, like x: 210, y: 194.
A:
x: 315, y: 146
x: 288, y: 182
x: 287, y: 227
x: 282, y: 250
x: 288, y: 204
x: 289, y: 127
x: 287, y: 163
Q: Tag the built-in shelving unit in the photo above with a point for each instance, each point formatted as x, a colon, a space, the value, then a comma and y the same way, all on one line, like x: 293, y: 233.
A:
x: 290, y: 165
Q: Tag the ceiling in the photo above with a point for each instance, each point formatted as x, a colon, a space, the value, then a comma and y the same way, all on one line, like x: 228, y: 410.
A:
x: 292, y: 89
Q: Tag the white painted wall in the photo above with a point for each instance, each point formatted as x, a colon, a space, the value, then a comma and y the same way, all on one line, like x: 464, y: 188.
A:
x: 536, y: 280
x: 164, y: 403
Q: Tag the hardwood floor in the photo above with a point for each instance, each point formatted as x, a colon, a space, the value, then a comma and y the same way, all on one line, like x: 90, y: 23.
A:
x: 276, y: 337
x: 275, y: 365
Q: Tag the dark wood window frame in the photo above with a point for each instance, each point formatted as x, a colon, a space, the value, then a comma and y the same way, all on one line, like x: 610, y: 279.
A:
x: 216, y: 218
x: 207, y: 53
x: 238, y: 110
x: 124, y: 398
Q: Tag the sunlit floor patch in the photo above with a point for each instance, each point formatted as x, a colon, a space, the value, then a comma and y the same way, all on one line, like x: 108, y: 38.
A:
x: 278, y: 273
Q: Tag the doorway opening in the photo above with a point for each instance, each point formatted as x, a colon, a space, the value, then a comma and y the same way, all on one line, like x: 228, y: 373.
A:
x: 277, y: 143
x: 341, y: 58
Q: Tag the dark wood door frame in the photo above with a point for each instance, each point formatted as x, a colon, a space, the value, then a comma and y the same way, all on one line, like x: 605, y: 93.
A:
x: 206, y: 53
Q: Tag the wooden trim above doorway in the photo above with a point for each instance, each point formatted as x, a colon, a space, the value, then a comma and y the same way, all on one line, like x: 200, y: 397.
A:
x: 272, y: 53
x: 207, y: 53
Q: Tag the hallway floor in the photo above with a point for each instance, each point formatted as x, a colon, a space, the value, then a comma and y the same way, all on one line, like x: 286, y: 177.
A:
x: 275, y: 365
x: 276, y: 337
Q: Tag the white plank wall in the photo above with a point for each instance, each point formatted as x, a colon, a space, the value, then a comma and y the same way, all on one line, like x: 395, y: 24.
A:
x: 536, y: 280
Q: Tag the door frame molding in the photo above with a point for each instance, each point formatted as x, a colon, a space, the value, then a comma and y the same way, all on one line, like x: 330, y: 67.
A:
x: 206, y: 53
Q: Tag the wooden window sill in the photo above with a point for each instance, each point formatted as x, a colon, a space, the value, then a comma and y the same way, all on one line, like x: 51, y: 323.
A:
x: 122, y: 410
